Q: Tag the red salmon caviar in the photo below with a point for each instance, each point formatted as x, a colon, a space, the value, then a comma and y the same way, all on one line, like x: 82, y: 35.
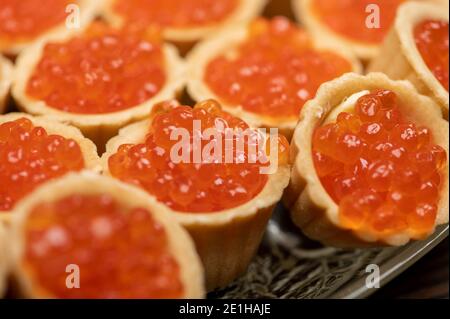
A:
x: 105, y: 70
x: 26, y: 19
x: 29, y: 157
x: 175, y: 13
x: 256, y: 80
x: 432, y: 42
x: 121, y: 253
x: 383, y: 170
x: 196, y: 185
x: 349, y: 17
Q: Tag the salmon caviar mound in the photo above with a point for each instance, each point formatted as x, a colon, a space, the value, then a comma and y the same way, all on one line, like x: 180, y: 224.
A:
x: 254, y: 78
x: 209, y: 181
x: 121, y: 253
x: 24, y: 20
x: 175, y: 13
x: 349, y: 18
x: 30, y: 157
x: 383, y: 170
x: 431, y: 38
x: 104, y: 70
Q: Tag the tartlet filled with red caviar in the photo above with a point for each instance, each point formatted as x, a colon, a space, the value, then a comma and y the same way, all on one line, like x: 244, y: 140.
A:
x: 370, y: 164
x: 99, y: 79
x: 25, y: 21
x: 185, y: 21
x: 264, y: 72
x: 360, y: 25
x: 417, y: 50
x: 34, y: 150
x: 87, y: 236
x: 222, y: 189
x: 4, y: 260
x: 6, y: 74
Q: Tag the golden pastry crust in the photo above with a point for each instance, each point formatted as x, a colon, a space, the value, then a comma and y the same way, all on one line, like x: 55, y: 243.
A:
x: 246, y: 11
x: 400, y: 58
x: 89, y: 150
x: 227, y: 240
x: 199, y: 58
x: 312, y: 209
x: 88, y: 183
x: 6, y: 74
x: 88, y: 12
x: 98, y: 127
x: 4, y: 261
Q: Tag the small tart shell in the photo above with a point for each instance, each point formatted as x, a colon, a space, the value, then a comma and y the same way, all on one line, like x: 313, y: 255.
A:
x: 200, y: 57
x: 88, y: 183
x: 88, y: 11
x: 400, y: 59
x: 89, y: 150
x: 98, y: 127
x: 4, y: 261
x: 245, y: 11
x: 312, y: 209
x: 6, y: 74
x: 226, y: 240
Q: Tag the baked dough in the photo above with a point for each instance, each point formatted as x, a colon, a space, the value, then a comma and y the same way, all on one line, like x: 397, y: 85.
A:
x: 4, y: 261
x: 6, y: 73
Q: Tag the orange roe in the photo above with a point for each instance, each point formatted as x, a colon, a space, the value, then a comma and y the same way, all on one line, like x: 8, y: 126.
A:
x: 275, y: 71
x: 383, y: 170
x: 196, y: 185
x: 23, y: 20
x: 103, y: 71
x: 30, y: 157
x: 349, y: 18
x: 120, y: 252
x: 432, y: 42
x: 175, y: 13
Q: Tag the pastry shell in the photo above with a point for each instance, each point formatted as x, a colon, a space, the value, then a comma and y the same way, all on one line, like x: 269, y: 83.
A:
x: 4, y: 261
x: 226, y: 240
x: 88, y: 183
x: 400, y: 59
x: 89, y: 150
x: 184, y: 38
x: 312, y: 209
x: 88, y: 10
x: 6, y: 74
x: 98, y: 127
x: 199, y: 58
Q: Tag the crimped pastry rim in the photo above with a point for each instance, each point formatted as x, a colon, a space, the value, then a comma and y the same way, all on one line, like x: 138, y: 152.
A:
x: 180, y: 244
x: 88, y: 148
x: 271, y: 193
x: 203, y: 53
x: 88, y: 12
x: 247, y: 10
x: 316, y: 111
x: 27, y: 60
x: 6, y: 74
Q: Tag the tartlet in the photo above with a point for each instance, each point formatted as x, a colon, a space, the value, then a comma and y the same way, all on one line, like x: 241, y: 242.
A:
x: 32, y: 136
x: 4, y: 261
x: 183, y: 32
x: 111, y: 78
x: 312, y: 207
x: 226, y: 214
x: 153, y: 257
x: 12, y: 42
x: 6, y: 74
x: 400, y: 57
x: 262, y: 72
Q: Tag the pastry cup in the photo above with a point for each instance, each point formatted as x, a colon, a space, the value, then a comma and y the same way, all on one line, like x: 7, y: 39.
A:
x: 4, y: 261
x: 400, y: 59
x: 312, y: 209
x: 88, y: 11
x: 88, y: 183
x: 6, y: 74
x: 199, y: 58
x: 89, y: 150
x: 184, y: 38
x: 226, y: 240
x: 98, y: 127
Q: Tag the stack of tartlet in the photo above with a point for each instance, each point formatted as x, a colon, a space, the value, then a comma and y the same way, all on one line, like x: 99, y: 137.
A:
x: 90, y: 181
